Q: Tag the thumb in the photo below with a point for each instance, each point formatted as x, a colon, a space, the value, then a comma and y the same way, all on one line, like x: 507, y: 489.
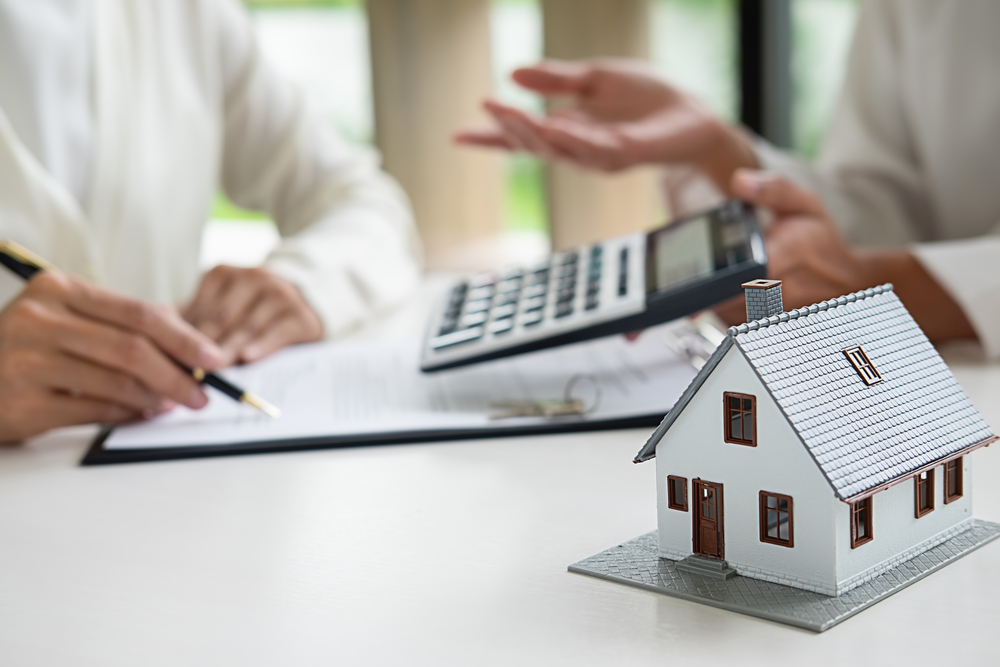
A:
x: 554, y: 77
x: 775, y: 192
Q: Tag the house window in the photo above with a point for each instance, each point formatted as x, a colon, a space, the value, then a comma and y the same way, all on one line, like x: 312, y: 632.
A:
x: 861, y: 522
x: 677, y: 493
x: 862, y: 365
x: 741, y: 418
x: 776, y: 519
x: 923, y: 493
x: 953, y: 480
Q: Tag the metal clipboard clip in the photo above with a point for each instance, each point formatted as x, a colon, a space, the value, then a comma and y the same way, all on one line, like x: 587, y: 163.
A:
x: 695, y: 338
x: 569, y: 406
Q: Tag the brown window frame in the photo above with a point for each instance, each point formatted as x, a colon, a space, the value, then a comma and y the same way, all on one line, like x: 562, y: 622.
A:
x: 863, y: 365
x: 762, y: 503
x: 950, y: 493
x: 670, y: 493
x: 919, y: 509
x: 856, y: 509
x: 727, y: 419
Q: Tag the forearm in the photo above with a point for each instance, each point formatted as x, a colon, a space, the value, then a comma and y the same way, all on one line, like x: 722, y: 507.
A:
x: 732, y: 149
x: 932, y: 307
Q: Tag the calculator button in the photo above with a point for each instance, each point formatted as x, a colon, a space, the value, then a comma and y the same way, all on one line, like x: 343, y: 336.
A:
x: 501, y: 312
x: 502, y: 326
x: 481, y: 293
x: 509, y: 286
x: 535, y: 303
x: 592, y: 302
x: 474, y: 319
x: 535, y: 290
x: 462, y: 336
x: 566, y: 295
x: 539, y: 277
x: 564, y: 309
x: 478, y: 306
x: 623, y: 272
x: 508, y: 298
x: 532, y: 317
x: 567, y: 282
x: 570, y: 257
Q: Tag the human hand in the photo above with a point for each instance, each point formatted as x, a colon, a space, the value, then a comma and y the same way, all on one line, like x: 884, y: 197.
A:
x: 623, y: 115
x: 804, y: 249
x: 807, y: 253
x: 251, y: 313
x: 74, y: 353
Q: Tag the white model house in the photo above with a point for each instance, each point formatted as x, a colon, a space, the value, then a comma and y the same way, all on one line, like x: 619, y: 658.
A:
x: 816, y: 448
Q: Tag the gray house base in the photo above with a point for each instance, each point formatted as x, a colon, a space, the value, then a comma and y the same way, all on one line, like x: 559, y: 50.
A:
x: 637, y: 563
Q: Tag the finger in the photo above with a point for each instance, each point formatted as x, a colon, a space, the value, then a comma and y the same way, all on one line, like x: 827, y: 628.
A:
x: 80, y: 378
x: 213, y: 285
x: 283, y: 332
x: 263, y: 314
x: 234, y: 307
x: 62, y: 410
x: 571, y: 113
x: 591, y: 146
x: 156, y: 323
x: 488, y: 138
x: 129, y: 353
x: 520, y: 128
x: 776, y: 192
x: 555, y: 77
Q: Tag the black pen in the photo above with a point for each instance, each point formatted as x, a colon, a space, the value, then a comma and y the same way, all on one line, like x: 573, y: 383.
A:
x: 26, y: 264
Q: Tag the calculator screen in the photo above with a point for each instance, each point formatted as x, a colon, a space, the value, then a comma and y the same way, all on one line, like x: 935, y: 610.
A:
x: 695, y: 247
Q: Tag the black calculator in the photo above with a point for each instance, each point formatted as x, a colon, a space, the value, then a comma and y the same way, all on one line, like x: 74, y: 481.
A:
x: 617, y: 286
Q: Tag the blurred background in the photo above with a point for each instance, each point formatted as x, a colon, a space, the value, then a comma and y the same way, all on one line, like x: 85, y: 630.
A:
x: 402, y: 75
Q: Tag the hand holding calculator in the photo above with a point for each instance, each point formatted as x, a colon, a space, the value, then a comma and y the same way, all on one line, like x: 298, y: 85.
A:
x: 617, y: 286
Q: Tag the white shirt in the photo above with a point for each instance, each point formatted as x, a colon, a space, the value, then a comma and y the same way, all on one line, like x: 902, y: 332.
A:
x: 45, y: 84
x: 912, y: 156
x: 182, y: 103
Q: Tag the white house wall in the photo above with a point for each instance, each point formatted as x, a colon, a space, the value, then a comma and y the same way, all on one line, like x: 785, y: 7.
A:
x: 898, y: 534
x: 694, y: 447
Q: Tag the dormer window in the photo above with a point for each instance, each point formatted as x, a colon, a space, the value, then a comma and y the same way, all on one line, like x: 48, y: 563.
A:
x: 740, y: 412
x: 862, y: 365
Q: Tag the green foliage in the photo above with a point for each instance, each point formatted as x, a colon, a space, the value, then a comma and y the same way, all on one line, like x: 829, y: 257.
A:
x: 525, y: 205
x: 223, y: 209
x: 290, y: 4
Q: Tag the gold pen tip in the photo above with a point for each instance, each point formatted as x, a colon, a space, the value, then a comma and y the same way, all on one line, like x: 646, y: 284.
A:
x: 262, y: 405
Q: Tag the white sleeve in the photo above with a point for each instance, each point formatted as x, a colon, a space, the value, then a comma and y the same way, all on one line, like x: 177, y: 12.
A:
x: 866, y: 172
x: 348, y: 238
x: 966, y: 269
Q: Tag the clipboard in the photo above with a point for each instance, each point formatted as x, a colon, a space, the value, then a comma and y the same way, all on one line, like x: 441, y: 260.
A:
x: 98, y: 455
x: 359, y: 393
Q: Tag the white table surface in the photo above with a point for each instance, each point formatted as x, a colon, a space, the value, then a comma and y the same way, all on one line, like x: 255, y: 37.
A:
x: 436, y: 554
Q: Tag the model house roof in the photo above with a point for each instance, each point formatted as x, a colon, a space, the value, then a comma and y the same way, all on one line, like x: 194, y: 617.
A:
x: 861, y: 435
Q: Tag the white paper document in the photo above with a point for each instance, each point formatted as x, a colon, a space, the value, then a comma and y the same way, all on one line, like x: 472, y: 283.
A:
x: 356, y: 388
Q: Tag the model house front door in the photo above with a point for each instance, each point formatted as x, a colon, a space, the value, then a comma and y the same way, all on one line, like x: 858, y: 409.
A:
x: 708, y: 519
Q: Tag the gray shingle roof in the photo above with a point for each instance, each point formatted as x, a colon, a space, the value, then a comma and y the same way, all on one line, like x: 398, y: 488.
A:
x: 861, y: 436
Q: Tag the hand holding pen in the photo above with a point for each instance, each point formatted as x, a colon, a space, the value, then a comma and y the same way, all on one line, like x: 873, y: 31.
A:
x: 75, y: 353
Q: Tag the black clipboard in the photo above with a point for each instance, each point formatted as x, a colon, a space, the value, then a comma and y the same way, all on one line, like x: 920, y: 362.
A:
x: 98, y: 455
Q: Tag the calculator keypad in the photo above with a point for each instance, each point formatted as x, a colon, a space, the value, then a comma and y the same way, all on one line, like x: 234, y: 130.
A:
x: 494, y: 303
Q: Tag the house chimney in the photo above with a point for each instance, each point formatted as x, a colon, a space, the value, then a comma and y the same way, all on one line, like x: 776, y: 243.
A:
x: 763, y: 299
